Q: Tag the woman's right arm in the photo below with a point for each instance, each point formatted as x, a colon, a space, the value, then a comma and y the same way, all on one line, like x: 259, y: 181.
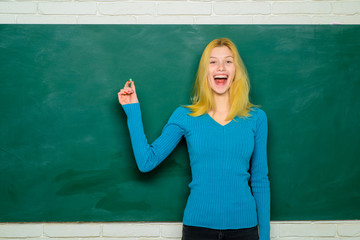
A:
x: 149, y: 156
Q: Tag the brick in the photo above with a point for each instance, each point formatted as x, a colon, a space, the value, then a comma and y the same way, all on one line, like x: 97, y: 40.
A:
x: 165, y: 20
x: 7, y: 19
x: 53, y: 1
x: 347, y: 238
x: 67, y: 8
x: 171, y: 230
x: 355, y: 19
x: 17, y: 7
x: 307, y: 230
x: 41, y: 19
x: 131, y: 230
x: 45, y: 238
x: 72, y: 230
x: 349, y: 230
x: 150, y: 238
x: 346, y: 7
x: 14, y: 230
x: 224, y: 20
x: 127, y: 8
x: 322, y: 238
x: 292, y: 238
x: 282, y: 19
x: 274, y: 230
x: 242, y: 8
x: 184, y: 8
x: 106, y: 20
x: 301, y: 7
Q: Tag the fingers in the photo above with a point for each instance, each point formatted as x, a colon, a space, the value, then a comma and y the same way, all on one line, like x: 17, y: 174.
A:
x: 126, y: 90
x: 132, y: 85
x: 128, y: 83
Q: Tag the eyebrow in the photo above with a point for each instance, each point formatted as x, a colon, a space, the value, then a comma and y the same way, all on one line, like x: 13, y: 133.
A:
x: 225, y: 57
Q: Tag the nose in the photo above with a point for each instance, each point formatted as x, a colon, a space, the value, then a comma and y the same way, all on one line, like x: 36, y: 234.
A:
x: 221, y: 66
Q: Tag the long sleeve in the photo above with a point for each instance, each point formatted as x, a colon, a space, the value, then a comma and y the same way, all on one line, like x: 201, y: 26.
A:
x: 150, y: 156
x: 259, y: 180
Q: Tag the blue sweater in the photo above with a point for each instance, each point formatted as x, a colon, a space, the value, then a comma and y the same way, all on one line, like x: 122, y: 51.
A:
x: 230, y: 185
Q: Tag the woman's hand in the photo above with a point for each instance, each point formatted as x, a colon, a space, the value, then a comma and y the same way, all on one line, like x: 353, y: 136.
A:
x: 128, y: 94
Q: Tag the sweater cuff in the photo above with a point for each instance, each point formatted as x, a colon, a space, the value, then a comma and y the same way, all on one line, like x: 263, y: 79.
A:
x: 132, y: 109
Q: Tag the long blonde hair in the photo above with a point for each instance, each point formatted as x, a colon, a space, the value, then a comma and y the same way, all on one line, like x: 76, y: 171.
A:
x: 202, y: 100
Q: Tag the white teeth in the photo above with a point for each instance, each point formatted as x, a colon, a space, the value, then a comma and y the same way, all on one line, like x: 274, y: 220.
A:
x: 220, y: 76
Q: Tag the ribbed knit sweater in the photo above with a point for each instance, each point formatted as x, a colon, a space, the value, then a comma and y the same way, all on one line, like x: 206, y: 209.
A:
x: 230, y: 185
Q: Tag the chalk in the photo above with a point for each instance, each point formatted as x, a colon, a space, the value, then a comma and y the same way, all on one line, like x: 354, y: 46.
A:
x: 130, y: 82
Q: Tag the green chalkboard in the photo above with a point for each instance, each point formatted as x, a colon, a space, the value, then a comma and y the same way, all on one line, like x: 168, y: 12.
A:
x: 65, y: 152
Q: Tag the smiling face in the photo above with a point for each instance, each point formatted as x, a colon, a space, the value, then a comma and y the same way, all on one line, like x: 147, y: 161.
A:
x: 221, y: 69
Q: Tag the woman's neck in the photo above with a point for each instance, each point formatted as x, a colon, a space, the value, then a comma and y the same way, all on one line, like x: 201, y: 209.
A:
x: 222, y: 106
x: 222, y: 103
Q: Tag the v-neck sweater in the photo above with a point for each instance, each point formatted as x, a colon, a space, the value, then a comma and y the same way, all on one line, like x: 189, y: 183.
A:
x: 230, y: 185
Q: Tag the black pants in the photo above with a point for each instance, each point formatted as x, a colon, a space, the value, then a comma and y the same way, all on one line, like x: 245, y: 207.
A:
x: 199, y: 233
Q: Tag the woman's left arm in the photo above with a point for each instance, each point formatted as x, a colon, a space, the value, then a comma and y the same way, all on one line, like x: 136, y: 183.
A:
x: 259, y: 180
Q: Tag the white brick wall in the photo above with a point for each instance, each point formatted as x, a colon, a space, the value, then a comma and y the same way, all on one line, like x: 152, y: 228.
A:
x: 127, y: 8
x: 180, y: 11
x: 18, y: 7
x: 131, y: 230
x: 72, y: 230
x: 305, y: 230
x: 349, y: 230
x: 307, y: 8
x: 184, y: 8
x: 13, y: 230
x: 67, y: 8
x: 242, y: 8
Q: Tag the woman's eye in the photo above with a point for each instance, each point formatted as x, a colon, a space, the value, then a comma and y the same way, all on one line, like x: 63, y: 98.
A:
x: 212, y: 62
x: 229, y: 61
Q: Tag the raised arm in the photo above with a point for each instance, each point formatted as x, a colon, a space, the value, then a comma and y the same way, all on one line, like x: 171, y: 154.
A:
x: 149, y: 156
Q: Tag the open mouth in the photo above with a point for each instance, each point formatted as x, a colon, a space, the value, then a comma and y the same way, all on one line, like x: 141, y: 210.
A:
x: 220, y: 79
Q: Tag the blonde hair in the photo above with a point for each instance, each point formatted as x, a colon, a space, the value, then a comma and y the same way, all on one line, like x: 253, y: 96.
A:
x: 202, y: 100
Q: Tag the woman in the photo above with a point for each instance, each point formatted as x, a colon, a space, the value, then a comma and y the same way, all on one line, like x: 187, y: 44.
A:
x: 226, y: 138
